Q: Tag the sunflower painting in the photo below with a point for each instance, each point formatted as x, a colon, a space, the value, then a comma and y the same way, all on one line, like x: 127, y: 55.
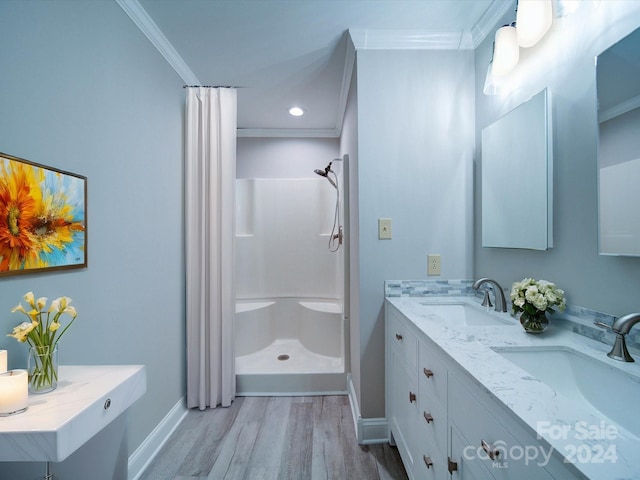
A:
x: 42, y: 218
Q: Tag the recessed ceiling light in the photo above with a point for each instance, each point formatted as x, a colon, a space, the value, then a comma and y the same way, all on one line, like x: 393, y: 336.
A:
x: 296, y: 111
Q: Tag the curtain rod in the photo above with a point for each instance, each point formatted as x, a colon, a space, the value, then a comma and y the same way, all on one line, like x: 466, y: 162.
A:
x: 208, y: 86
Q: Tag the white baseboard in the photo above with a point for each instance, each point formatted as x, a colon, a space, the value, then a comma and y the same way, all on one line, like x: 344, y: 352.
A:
x: 368, y: 430
x: 149, y: 448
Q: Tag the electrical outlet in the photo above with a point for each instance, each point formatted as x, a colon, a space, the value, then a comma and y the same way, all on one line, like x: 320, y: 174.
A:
x: 384, y: 228
x: 433, y: 264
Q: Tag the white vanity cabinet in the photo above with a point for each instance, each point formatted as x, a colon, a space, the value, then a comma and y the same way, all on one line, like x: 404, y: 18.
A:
x: 416, y: 397
x: 445, y: 424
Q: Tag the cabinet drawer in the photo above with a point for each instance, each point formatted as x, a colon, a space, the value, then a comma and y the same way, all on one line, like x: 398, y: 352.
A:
x: 401, y: 336
x: 483, y: 436
x: 433, y: 376
x: 403, y: 408
x: 462, y: 469
x: 432, y: 425
x: 430, y: 462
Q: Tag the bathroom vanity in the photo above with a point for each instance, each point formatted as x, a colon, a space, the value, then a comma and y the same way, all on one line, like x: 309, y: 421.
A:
x: 79, y: 428
x: 470, y: 395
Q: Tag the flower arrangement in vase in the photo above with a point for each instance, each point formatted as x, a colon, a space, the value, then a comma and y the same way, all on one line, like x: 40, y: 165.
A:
x: 533, y: 299
x: 42, y: 333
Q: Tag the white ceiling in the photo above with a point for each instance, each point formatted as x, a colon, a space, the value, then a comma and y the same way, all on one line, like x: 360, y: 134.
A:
x: 295, y: 52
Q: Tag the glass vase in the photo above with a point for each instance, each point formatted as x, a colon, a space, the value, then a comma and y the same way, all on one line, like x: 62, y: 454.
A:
x: 536, y: 323
x: 42, y: 366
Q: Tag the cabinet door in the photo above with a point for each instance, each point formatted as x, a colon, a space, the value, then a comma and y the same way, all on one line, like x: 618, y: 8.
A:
x: 403, y: 409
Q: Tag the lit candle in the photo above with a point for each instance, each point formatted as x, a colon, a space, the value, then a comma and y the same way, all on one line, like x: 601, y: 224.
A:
x: 13, y: 392
x: 3, y: 361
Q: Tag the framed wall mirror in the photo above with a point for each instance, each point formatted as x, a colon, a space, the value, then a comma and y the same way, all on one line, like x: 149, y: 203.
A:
x: 618, y: 87
x: 517, y: 186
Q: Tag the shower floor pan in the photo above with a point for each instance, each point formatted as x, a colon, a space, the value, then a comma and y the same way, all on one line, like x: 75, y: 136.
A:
x: 286, y: 367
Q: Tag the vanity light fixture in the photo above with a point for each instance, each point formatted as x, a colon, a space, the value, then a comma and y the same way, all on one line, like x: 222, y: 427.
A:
x: 296, y: 111
x: 506, y: 53
x: 534, y: 18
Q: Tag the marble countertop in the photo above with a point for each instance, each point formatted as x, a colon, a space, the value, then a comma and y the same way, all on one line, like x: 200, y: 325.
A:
x: 556, y: 419
x: 59, y: 422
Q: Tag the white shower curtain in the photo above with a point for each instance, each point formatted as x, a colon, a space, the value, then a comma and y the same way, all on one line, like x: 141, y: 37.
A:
x: 210, y: 162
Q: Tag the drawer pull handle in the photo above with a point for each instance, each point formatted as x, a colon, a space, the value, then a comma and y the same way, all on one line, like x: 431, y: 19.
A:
x: 490, y: 450
x: 107, y: 403
x: 398, y: 337
x: 427, y: 372
x: 428, y: 417
x: 453, y: 466
x: 412, y: 397
x: 427, y: 461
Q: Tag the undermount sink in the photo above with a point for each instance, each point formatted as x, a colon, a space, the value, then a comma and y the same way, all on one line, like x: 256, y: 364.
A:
x: 465, y: 315
x: 585, y: 381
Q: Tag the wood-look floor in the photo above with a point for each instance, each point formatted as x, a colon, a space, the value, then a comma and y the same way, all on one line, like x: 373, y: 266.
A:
x: 273, y: 438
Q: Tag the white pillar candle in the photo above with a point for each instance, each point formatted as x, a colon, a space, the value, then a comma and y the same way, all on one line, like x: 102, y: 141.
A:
x: 14, y: 388
x: 3, y: 361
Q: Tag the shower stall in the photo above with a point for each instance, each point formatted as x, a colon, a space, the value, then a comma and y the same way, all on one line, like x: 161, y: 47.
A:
x: 290, y: 325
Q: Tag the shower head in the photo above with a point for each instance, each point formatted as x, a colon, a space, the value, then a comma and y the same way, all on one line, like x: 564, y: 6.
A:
x: 325, y: 173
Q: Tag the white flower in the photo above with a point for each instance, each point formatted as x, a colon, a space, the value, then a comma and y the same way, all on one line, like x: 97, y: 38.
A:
x: 529, y: 294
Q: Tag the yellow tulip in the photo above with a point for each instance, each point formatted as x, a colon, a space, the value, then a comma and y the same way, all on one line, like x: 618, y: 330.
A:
x: 29, y: 298
x: 34, y: 314
x: 54, y: 326
x: 21, y: 332
x: 55, y: 305
x: 64, y: 302
x: 41, y: 303
x: 18, y: 308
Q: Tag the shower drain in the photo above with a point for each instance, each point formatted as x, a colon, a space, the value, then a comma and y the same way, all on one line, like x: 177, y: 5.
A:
x: 283, y: 357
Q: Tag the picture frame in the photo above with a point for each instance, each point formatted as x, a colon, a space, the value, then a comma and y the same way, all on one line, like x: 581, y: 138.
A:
x: 43, y: 218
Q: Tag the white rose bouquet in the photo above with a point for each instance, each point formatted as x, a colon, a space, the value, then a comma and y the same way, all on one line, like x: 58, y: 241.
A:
x: 532, y: 298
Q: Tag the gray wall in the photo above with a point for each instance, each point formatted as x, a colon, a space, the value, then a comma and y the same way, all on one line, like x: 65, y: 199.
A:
x: 415, y: 154
x: 284, y: 157
x: 84, y: 91
x: 563, y: 62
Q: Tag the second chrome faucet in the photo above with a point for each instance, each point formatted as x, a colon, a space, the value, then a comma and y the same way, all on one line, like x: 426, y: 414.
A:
x: 621, y: 326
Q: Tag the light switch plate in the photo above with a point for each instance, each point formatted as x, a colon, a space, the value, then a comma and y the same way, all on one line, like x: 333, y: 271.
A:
x: 384, y: 228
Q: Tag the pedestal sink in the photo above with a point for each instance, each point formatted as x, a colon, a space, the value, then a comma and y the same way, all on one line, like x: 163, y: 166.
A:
x: 466, y: 315
x: 585, y: 381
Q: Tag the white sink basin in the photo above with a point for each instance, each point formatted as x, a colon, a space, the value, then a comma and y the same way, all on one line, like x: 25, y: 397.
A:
x: 465, y: 315
x: 586, y: 382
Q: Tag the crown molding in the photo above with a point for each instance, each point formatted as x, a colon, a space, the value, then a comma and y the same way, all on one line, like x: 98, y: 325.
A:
x: 367, y: 39
x: 147, y: 26
x: 288, y: 132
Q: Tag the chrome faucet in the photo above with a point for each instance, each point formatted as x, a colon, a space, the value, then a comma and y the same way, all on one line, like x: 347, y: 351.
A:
x: 498, y: 294
x: 621, y: 326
